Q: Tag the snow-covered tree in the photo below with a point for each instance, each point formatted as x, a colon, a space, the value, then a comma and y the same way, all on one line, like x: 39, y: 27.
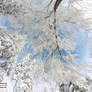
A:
x: 39, y: 42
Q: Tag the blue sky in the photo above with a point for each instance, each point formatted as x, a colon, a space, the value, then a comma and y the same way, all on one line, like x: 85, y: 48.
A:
x: 38, y: 2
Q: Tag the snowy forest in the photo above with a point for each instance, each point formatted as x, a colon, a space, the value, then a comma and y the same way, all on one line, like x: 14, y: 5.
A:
x: 45, y: 45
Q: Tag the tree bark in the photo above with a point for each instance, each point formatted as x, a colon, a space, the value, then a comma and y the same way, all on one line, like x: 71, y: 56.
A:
x: 57, y: 4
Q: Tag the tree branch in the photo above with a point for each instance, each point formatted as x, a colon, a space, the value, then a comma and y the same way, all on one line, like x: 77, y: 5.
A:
x: 57, y: 4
